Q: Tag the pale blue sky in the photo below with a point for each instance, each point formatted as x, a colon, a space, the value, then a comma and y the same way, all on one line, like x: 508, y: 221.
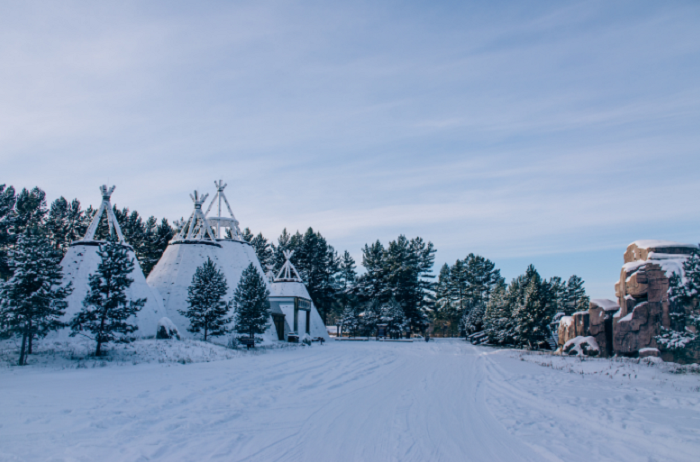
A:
x: 552, y: 133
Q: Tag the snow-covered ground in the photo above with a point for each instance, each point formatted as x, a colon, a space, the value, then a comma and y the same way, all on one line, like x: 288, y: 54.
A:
x: 348, y: 401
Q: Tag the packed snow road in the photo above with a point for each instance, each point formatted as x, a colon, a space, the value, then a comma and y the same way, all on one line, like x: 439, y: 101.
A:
x: 363, y: 401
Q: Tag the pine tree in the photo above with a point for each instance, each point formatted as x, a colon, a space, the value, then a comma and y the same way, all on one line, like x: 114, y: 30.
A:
x: 533, y: 311
x: 263, y: 249
x: 576, y: 299
x: 684, y: 296
x: 498, y: 316
x: 158, y: 243
x: 473, y: 319
x: 345, y: 281
x: 33, y: 300
x: 350, y: 320
x: 392, y: 314
x: 251, y: 303
x: 7, y: 220
x: 558, y: 292
x: 30, y: 210
x: 370, y: 317
x: 247, y: 235
x: 466, y: 284
x: 106, y: 308
x: 207, y: 309
x: 64, y: 223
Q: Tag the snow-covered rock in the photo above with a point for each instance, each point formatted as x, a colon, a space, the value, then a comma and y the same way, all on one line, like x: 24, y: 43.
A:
x: 581, y: 346
x: 167, y: 330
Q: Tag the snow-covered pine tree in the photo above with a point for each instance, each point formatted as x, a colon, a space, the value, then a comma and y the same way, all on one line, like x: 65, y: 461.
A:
x: 7, y: 216
x: 370, y: 317
x: 473, y: 319
x: 33, y: 300
x: 391, y: 313
x: 576, y: 299
x: 482, y: 277
x: 251, y: 303
x: 533, y: 311
x: 63, y: 223
x: 207, y: 310
x: 106, y: 308
x: 263, y: 249
x: 558, y: 292
x: 498, y: 320
x: 247, y: 235
x: 350, y: 320
x: 157, y: 243
x: 346, y: 281
x: 370, y: 285
x: 682, y: 337
x: 30, y: 210
x: 443, y: 304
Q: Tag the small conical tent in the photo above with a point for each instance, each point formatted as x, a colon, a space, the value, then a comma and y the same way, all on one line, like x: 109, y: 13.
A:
x: 188, y: 250
x: 289, y: 293
x: 81, y: 260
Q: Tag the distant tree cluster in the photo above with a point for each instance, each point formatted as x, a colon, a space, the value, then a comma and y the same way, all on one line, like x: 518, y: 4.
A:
x: 520, y: 313
x: 471, y: 296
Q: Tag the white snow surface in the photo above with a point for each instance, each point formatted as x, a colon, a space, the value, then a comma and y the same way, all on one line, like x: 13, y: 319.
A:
x: 445, y: 400
x: 172, y: 276
x: 81, y: 261
x: 298, y: 289
x: 605, y: 304
x: 659, y: 244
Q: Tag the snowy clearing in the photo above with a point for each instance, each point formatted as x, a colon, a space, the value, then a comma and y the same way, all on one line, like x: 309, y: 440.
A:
x: 351, y: 401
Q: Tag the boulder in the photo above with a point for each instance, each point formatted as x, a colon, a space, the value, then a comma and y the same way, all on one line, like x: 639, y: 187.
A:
x: 167, y: 330
x: 637, y: 329
x: 581, y: 346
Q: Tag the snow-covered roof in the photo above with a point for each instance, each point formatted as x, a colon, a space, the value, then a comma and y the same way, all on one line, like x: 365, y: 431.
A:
x: 289, y: 289
x: 659, y: 244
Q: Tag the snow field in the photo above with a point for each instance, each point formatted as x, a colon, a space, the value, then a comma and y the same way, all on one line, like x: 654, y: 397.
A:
x: 353, y: 401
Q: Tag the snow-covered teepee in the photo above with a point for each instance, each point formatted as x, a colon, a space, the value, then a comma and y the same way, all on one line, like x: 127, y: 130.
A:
x: 190, y: 248
x: 289, y: 293
x: 81, y: 260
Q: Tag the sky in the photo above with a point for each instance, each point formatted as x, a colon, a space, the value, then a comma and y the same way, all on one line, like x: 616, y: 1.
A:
x: 550, y: 132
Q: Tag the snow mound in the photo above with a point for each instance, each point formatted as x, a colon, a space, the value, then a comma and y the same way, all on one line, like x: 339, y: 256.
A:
x: 581, y: 346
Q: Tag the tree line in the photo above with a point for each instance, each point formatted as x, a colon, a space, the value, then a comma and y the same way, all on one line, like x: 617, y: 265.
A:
x: 396, y: 287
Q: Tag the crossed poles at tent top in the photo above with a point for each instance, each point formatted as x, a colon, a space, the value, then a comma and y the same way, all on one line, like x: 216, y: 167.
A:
x: 105, y: 207
x: 197, y: 227
x: 288, y: 273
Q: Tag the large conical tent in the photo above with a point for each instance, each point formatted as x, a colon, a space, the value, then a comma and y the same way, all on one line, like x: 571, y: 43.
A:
x: 289, y: 293
x: 190, y: 248
x: 81, y: 260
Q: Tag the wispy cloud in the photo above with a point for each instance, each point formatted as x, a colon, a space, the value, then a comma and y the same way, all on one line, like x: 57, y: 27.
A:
x: 511, y: 129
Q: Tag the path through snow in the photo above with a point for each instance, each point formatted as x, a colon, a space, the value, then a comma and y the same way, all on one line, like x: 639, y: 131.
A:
x: 352, y: 401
